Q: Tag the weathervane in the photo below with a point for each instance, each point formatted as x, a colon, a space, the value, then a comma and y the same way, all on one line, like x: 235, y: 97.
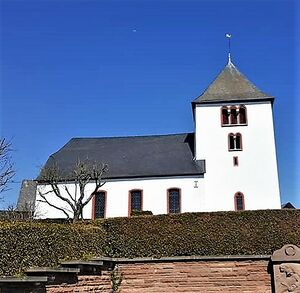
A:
x: 228, y: 36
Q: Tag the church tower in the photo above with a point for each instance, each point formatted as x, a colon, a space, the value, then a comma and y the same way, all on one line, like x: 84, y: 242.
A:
x: 234, y: 133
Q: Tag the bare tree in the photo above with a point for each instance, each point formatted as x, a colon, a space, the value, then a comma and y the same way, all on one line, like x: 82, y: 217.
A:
x: 83, y: 173
x: 6, y: 166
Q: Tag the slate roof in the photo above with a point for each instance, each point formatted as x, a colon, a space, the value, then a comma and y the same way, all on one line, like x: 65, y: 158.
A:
x: 27, y: 195
x: 287, y: 205
x: 231, y: 85
x: 131, y: 157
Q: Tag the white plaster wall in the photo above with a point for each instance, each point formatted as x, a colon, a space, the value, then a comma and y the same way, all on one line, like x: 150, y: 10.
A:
x: 256, y: 176
x: 154, y: 196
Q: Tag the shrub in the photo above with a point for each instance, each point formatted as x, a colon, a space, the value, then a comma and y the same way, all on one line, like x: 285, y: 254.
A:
x: 220, y: 233
x: 137, y: 213
x: 28, y: 244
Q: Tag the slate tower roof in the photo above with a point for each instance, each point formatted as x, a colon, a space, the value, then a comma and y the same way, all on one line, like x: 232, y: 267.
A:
x: 231, y: 85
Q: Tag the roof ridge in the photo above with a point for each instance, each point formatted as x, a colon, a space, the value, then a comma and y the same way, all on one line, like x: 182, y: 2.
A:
x: 219, y: 73
x: 130, y: 136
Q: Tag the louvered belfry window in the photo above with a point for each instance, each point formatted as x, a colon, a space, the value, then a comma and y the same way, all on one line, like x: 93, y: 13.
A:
x: 136, y: 200
x: 100, y: 199
x: 242, y: 115
x: 234, y: 115
x: 225, y: 116
x: 174, y: 200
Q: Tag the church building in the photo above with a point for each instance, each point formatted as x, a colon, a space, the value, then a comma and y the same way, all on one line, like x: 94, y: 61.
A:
x: 228, y: 163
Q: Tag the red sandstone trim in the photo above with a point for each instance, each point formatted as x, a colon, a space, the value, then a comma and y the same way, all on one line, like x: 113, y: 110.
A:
x: 229, y: 124
x: 235, y: 200
x: 93, y: 204
x: 168, y: 199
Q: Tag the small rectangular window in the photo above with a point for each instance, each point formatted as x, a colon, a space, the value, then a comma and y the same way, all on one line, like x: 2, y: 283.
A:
x: 235, y: 161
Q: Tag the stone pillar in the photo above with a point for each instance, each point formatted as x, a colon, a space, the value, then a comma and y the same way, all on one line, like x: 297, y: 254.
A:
x: 286, y: 269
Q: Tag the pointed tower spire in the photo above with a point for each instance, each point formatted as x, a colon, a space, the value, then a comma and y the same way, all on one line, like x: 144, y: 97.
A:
x: 228, y: 36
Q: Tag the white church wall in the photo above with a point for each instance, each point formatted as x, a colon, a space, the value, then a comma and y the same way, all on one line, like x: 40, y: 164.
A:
x: 117, y: 204
x: 255, y: 176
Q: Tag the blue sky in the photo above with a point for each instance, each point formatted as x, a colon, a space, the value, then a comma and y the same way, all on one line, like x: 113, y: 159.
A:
x: 105, y: 68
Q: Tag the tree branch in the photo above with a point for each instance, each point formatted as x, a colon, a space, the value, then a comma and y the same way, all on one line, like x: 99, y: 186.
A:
x: 52, y: 205
x: 84, y: 173
x: 68, y: 192
x: 57, y: 193
x: 93, y: 193
x: 6, y: 166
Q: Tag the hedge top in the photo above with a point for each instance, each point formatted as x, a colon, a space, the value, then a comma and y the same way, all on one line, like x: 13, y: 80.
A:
x: 206, y: 234
x: 27, y: 244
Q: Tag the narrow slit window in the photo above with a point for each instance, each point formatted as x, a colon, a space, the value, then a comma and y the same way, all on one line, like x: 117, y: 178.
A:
x: 174, y: 201
x: 235, y: 161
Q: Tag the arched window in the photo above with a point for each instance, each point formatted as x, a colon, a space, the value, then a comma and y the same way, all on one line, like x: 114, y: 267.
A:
x: 231, y: 141
x: 224, y: 116
x: 239, y: 203
x: 99, y: 205
x: 174, y: 200
x: 242, y: 115
x: 233, y: 115
x: 135, y: 200
x: 235, y: 142
x: 238, y: 141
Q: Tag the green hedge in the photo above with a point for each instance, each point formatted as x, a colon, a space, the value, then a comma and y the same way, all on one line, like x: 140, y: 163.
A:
x: 30, y: 244
x: 221, y: 233
x: 27, y: 244
x: 138, y: 213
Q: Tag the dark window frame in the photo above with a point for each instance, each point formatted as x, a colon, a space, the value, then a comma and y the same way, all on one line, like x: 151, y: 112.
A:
x: 239, y: 195
x: 224, y: 116
x: 231, y: 115
x: 235, y: 142
x: 179, y: 200
x: 235, y: 161
x: 94, y: 212
x: 244, y: 109
x: 130, y: 209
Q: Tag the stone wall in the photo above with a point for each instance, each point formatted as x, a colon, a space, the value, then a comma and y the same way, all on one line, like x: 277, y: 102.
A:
x: 92, y: 283
x: 178, y: 276
x: 196, y: 276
